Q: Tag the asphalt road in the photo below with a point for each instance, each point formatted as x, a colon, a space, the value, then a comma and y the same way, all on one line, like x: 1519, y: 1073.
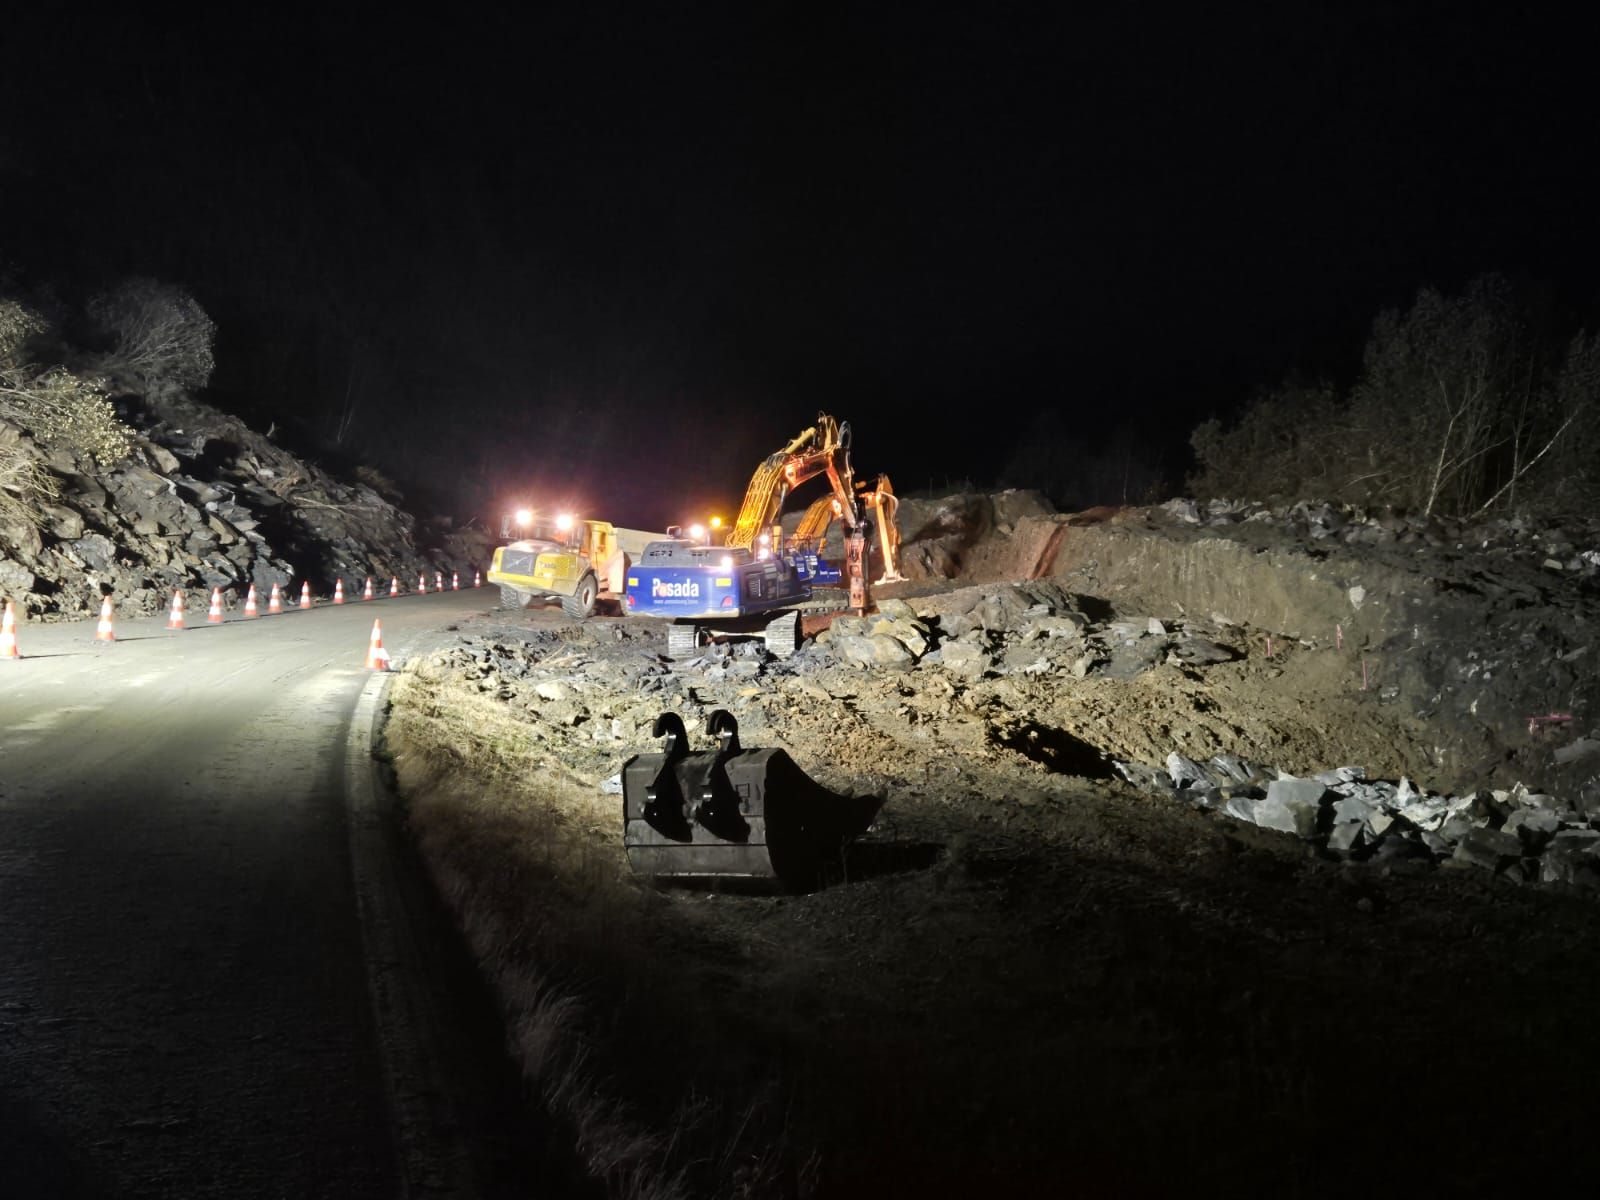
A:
x: 220, y: 974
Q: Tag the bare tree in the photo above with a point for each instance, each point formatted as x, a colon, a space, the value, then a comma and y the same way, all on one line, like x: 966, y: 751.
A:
x: 160, y: 331
x: 1457, y: 411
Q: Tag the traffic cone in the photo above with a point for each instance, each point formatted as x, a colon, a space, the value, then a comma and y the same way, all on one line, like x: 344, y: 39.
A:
x: 106, y: 631
x: 455, y: 581
x: 438, y: 581
x: 215, y: 615
x: 175, y: 615
x: 305, y: 594
x: 338, y: 591
x: 394, y: 586
x: 367, y: 595
x: 275, y: 601
x: 8, y: 634
x: 477, y: 579
x: 422, y: 585
x: 251, y: 609
x: 377, y: 656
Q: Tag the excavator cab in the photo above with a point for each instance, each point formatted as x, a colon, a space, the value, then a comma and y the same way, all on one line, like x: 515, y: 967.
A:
x: 732, y: 811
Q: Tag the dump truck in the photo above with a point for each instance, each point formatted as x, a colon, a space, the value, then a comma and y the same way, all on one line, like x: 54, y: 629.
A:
x: 576, y: 561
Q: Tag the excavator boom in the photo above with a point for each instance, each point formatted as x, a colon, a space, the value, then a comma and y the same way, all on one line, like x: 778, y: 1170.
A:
x: 824, y: 448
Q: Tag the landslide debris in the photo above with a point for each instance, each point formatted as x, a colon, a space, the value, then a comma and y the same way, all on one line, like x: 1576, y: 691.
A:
x: 200, y: 501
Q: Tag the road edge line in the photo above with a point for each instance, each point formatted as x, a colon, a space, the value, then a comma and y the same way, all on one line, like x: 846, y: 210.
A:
x: 431, y: 1159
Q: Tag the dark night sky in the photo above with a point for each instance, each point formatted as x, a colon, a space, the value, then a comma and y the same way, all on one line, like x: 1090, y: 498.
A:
x: 624, y: 252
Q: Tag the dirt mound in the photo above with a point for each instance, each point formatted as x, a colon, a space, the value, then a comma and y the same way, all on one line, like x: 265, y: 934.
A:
x: 973, y: 535
x: 1479, y: 630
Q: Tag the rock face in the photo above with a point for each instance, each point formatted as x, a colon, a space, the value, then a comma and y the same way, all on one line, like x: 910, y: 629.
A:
x: 205, y: 502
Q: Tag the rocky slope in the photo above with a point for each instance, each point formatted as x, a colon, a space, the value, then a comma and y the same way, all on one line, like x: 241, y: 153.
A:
x: 205, y: 502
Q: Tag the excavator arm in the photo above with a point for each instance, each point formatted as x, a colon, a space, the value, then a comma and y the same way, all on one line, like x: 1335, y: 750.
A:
x: 767, y: 488
x: 822, y: 449
x: 814, y: 522
x: 880, y: 499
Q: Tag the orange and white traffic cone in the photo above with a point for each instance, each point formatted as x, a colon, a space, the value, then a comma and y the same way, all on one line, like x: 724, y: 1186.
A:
x: 455, y: 581
x: 394, y: 586
x: 215, y: 615
x: 251, y: 609
x: 367, y: 595
x: 305, y: 594
x: 275, y: 601
x: 438, y: 581
x: 338, y: 591
x: 422, y: 585
x: 8, y: 634
x: 106, y: 631
x: 477, y: 579
x: 377, y: 656
x: 175, y: 613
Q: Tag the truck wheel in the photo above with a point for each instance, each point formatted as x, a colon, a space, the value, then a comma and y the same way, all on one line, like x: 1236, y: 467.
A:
x: 580, y: 605
x: 511, y: 598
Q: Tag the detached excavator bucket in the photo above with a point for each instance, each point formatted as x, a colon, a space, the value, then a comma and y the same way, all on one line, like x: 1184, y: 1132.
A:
x: 732, y: 811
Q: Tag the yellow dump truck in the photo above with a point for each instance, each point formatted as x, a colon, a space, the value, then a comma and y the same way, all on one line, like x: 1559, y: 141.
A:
x: 576, y: 561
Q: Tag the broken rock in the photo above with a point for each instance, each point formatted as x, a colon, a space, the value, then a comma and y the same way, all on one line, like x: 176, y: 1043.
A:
x: 1291, y: 805
x: 1489, y: 849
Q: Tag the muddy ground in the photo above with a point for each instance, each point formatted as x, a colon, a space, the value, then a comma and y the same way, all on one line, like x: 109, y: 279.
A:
x: 1027, y: 974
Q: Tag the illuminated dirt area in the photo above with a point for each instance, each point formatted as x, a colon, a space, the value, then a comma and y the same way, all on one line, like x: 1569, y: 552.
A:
x: 1028, y: 970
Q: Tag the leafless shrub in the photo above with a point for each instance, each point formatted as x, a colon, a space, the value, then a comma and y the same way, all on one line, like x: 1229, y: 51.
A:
x: 1458, y: 410
x: 18, y: 326
x: 160, y: 331
x: 24, y: 481
x: 380, y: 483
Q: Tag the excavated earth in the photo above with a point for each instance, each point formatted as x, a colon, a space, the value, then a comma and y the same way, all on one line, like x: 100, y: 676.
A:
x: 1030, y: 973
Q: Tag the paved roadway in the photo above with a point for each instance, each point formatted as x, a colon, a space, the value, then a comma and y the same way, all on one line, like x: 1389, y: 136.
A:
x: 220, y: 973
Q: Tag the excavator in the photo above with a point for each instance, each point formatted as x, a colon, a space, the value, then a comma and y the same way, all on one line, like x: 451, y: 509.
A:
x: 701, y: 587
x: 823, y: 448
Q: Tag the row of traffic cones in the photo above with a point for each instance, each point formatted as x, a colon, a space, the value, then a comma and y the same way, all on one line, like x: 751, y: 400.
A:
x: 106, y: 631
x: 377, y: 656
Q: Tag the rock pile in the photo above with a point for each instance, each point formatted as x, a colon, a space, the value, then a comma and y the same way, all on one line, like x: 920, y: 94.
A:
x: 1034, y: 628
x: 1522, y: 835
x: 1572, y: 546
x: 204, y: 502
